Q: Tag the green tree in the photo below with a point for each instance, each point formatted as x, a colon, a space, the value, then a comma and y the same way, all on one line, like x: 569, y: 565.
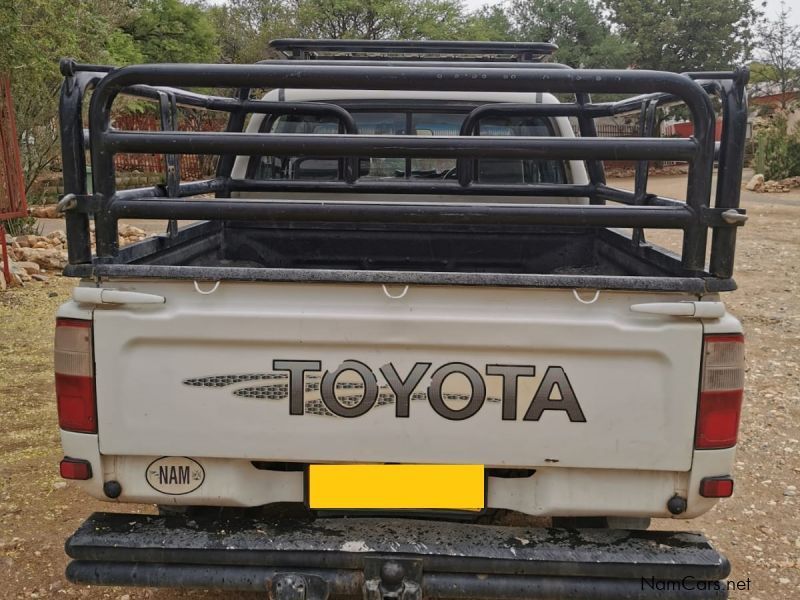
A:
x: 583, y: 35
x: 379, y: 19
x: 686, y: 35
x: 245, y: 27
x: 778, y: 149
x: 122, y: 49
x: 489, y: 23
x: 34, y: 34
x: 172, y: 31
x: 779, y: 55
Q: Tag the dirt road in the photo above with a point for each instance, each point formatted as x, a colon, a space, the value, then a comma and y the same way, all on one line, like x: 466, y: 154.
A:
x: 758, y: 529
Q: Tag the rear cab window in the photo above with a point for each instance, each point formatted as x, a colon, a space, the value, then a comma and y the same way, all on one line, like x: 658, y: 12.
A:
x: 375, y: 122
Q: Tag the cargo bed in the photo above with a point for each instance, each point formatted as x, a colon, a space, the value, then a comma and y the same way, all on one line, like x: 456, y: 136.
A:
x: 510, y: 255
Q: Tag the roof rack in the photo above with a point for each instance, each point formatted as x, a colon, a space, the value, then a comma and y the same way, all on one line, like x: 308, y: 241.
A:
x: 417, y: 50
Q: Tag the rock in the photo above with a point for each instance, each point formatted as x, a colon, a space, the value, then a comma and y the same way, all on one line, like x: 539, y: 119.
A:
x: 40, y: 277
x: 125, y: 597
x: 27, y: 241
x: 131, y: 231
x: 49, y: 211
x: 48, y: 258
x: 59, y: 485
x: 21, y: 273
x: 789, y: 492
x: 52, y: 294
x: 756, y: 183
x: 30, y: 267
x: 16, y: 280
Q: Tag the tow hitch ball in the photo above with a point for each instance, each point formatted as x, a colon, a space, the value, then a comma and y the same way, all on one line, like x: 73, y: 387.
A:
x: 392, y: 579
x: 384, y: 579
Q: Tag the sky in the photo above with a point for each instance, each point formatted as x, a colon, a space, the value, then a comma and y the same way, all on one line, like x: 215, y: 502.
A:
x: 771, y: 10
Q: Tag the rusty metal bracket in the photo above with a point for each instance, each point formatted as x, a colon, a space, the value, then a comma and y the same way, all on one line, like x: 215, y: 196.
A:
x: 79, y: 203
x: 297, y: 586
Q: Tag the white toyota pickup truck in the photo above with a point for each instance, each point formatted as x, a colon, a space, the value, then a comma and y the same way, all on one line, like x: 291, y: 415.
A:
x: 407, y: 316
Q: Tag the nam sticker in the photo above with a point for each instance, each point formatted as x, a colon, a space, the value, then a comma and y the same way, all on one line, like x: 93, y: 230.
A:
x: 175, y: 475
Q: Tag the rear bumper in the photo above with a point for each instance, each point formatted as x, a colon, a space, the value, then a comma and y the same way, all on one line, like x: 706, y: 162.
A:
x: 346, y: 557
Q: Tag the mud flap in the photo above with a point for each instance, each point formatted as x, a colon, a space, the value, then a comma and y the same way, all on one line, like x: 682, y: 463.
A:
x: 383, y: 559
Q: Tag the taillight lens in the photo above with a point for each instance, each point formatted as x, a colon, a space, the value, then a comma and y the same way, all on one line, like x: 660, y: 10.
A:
x: 721, y: 392
x: 77, y: 410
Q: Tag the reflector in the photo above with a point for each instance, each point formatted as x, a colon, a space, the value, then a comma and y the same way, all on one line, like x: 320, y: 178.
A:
x: 716, y: 487
x: 75, y: 468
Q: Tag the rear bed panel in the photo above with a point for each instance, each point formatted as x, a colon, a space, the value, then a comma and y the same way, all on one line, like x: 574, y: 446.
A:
x: 196, y: 375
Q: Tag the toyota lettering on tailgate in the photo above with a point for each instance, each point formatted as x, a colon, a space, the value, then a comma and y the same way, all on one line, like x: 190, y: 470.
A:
x: 353, y: 389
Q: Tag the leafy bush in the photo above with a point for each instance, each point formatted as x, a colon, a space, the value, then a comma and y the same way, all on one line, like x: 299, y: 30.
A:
x: 778, y: 149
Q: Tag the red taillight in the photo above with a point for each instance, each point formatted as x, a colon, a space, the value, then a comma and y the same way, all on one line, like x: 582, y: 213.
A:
x: 75, y: 468
x: 74, y: 369
x: 716, y: 487
x: 721, y: 392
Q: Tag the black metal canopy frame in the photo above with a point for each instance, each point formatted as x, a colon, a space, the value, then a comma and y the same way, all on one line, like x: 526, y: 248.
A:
x: 637, y: 209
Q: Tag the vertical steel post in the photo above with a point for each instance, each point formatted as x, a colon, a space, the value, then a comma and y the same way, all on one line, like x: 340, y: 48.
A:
x: 73, y: 158
x: 169, y: 122
x: 698, y: 187
x: 104, y: 174
x: 587, y: 128
x: 729, y: 176
x: 236, y: 122
x: 647, y: 121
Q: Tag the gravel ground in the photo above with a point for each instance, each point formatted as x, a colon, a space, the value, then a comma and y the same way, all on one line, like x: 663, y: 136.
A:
x: 758, y: 529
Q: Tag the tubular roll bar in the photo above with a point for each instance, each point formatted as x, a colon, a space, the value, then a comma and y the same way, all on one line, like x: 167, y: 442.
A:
x: 158, y: 82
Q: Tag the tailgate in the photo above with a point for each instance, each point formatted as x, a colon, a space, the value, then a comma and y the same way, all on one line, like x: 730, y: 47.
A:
x: 335, y: 372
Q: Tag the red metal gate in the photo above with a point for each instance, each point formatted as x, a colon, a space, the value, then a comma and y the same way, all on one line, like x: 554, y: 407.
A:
x: 12, y: 184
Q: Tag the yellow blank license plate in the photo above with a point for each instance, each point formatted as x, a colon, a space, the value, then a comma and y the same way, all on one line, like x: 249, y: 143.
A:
x: 445, y: 487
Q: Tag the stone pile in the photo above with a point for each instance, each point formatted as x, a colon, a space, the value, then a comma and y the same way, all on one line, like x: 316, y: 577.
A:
x: 782, y: 185
x: 33, y: 256
x: 758, y: 184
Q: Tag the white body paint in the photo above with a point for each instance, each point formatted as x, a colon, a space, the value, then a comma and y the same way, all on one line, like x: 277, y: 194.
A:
x: 634, y: 374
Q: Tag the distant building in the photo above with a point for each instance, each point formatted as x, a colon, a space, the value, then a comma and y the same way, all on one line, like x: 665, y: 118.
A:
x: 768, y: 93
